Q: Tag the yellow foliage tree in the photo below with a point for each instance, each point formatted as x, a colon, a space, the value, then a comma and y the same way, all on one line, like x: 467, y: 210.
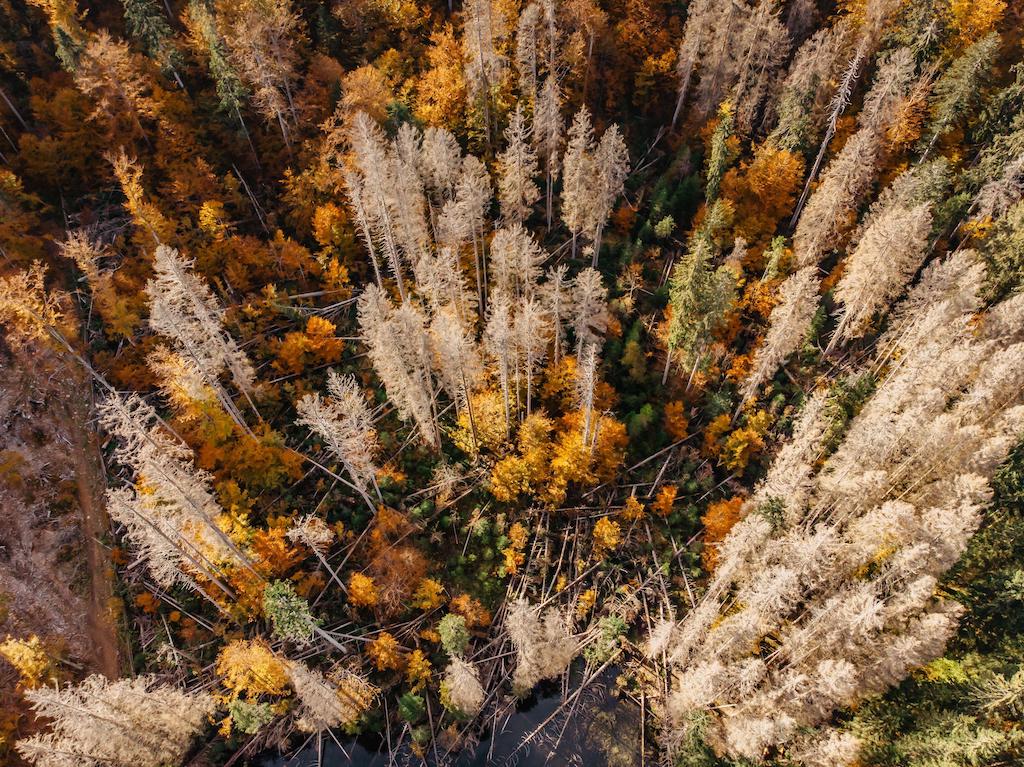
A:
x: 746, y: 442
x: 31, y: 660
x: 663, y: 503
x: 250, y: 667
x: 362, y: 591
x: 385, y: 652
x: 718, y: 520
x: 676, y: 420
x: 429, y: 595
x: 441, y: 91
x: 417, y: 670
x: 607, y: 537
x: 973, y: 19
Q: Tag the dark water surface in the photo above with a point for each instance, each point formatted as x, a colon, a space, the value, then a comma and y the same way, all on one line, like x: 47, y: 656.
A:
x: 604, y: 732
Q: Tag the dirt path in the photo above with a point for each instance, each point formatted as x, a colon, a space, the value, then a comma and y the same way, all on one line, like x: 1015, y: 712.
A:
x: 91, y: 481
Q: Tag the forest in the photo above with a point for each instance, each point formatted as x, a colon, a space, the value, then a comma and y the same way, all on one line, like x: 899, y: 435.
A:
x: 371, y: 370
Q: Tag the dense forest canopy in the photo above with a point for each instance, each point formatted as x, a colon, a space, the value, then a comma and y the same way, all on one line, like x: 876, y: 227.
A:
x: 370, y: 365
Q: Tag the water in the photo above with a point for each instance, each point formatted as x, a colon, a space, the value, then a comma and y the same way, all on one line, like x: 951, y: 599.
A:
x: 604, y: 732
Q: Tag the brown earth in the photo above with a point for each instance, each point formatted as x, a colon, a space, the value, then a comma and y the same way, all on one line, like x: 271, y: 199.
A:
x: 56, y: 577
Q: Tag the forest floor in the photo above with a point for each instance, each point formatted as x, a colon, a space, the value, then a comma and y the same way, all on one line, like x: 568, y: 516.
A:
x: 90, y: 479
x: 51, y: 489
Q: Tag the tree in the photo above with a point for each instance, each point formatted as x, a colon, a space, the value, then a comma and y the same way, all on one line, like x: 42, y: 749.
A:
x: 557, y: 294
x: 533, y: 334
x: 517, y: 167
x: 765, y: 46
x: 691, y: 49
x: 462, y: 219
x: 400, y: 353
x: 325, y: 702
x: 500, y: 343
x: 515, y: 261
x: 207, y: 40
x: 454, y: 634
x: 543, y: 643
x: 589, y: 308
x: 547, y: 135
x: 374, y: 198
x: 109, y: 74
x: 146, y: 23
x: 124, y: 723
x: 788, y: 326
x: 289, y: 613
x: 801, y: 100
x: 699, y: 296
x: 456, y: 360
x: 65, y: 23
x: 183, y: 308
x: 484, y: 28
x: 261, y: 37
x: 527, y: 32
x: 955, y: 95
x: 172, y: 516
x: 611, y: 167
x: 461, y: 691
x: 345, y: 423
x: 880, y: 266
x: 577, y: 171
x: 250, y: 668
x: 27, y: 308
x: 362, y: 591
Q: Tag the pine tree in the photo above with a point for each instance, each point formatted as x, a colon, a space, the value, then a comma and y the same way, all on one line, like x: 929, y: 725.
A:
x: 261, y: 37
x: 954, y: 96
x: 890, y: 249
x: 65, y: 24
x: 700, y: 295
x: 27, y: 309
x: 461, y: 691
x: 543, y: 643
x: 589, y: 308
x: 183, y: 308
x: 515, y: 261
x: 547, y: 134
x: 500, y: 342
x: 127, y: 723
x: 146, y: 23
x: 802, y: 98
x: 533, y: 334
x: 527, y: 32
x: 517, y: 167
x: 109, y: 74
x: 345, y: 423
x: 372, y: 194
x: 171, y: 514
x: 765, y: 47
x: 577, y: 172
x: 399, y: 350
x: 611, y: 167
x: 324, y: 704
x: 557, y: 294
x: 691, y: 49
x: 456, y: 360
x: 206, y: 39
x: 789, y: 324
x: 484, y: 29
x: 463, y: 218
